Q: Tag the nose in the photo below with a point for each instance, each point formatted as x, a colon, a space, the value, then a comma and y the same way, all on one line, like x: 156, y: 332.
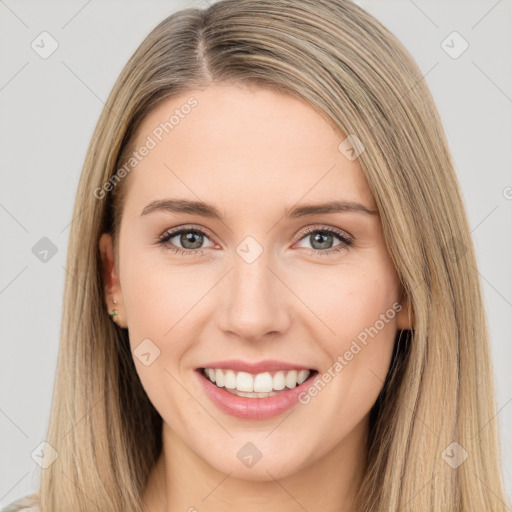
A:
x: 255, y: 304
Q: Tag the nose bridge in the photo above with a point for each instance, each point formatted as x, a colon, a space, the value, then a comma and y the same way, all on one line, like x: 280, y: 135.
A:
x: 254, y: 305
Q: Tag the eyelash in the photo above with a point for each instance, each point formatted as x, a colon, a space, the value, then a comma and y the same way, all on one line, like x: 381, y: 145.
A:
x: 345, y: 244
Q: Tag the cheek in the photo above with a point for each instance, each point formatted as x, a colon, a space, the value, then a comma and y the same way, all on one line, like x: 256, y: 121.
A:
x: 158, y: 304
x: 351, y: 300
x: 161, y: 304
x: 161, y: 299
x: 360, y: 309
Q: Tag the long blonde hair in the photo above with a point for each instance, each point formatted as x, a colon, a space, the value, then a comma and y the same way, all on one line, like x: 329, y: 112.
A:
x: 439, y: 389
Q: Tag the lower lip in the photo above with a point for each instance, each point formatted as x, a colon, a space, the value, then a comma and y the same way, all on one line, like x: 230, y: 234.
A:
x: 252, y: 408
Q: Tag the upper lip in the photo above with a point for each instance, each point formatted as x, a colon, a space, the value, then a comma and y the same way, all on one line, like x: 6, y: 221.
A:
x: 267, y: 365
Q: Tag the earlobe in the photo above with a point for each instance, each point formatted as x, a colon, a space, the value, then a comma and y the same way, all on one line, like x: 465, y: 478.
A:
x: 111, y: 282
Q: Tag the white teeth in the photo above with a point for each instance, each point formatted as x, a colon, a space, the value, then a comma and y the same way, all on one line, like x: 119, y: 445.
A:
x: 291, y: 379
x: 219, y: 378
x: 302, y: 376
x: 251, y: 395
x: 256, y: 386
x: 263, y: 383
x: 278, y: 381
x: 230, y: 379
x: 244, y: 382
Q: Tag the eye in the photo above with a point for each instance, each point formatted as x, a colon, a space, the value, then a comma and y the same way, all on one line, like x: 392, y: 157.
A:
x: 190, y: 241
x: 322, y: 240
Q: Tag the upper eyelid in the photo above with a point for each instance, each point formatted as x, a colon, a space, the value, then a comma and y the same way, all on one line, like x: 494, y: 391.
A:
x: 309, y: 229
x: 187, y: 227
x: 329, y: 229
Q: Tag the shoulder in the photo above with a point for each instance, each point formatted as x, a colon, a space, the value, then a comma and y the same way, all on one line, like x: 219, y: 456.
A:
x: 25, y: 504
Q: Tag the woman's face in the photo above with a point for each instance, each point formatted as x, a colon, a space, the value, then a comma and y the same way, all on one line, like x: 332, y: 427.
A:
x: 258, y: 284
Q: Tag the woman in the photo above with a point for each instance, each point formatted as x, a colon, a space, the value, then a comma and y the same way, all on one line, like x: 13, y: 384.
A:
x: 209, y: 359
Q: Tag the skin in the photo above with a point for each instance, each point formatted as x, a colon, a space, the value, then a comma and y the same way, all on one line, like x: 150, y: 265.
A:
x: 254, y: 154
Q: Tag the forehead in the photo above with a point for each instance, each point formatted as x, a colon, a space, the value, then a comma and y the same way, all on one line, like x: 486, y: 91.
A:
x: 246, y: 142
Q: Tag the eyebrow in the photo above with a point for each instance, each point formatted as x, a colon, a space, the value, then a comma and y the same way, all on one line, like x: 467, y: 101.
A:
x: 210, y: 211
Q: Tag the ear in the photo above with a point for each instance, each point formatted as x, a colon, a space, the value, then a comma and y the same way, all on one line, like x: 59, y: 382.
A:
x: 111, y: 283
x: 405, y: 317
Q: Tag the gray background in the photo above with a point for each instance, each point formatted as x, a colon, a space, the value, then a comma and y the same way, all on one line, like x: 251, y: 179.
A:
x: 49, y: 108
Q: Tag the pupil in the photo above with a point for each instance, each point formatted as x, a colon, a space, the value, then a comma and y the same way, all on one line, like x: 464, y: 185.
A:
x: 189, y: 237
x: 321, y: 238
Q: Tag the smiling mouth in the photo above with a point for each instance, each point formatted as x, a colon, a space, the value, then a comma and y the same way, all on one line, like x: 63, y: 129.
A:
x: 260, y: 385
